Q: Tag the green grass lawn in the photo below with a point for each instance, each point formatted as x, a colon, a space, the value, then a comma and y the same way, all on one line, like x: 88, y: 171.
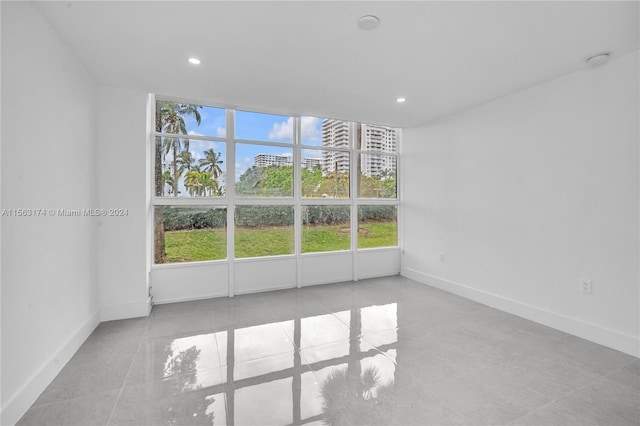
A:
x: 268, y: 241
x: 211, y: 244
x: 325, y: 238
x: 195, y: 245
x: 377, y: 234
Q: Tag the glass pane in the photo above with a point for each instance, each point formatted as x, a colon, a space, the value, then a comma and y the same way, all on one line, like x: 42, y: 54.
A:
x: 324, y: 132
x: 264, y: 171
x: 189, y: 234
x: 377, y: 176
x: 190, y: 168
x: 377, y: 226
x: 190, y: 119
x: 263, y: 231
x: 325, y: 173
x: 325, y: 228
x: 377, y: 138
x: 264, y: 127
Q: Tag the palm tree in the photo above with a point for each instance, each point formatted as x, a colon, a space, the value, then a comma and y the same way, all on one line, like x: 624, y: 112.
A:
x: 209, y: 184
x: 362, y: 393
x: 167, y: 179
x: 192, y: 181
x: 169, y: 119
x: 183, y: 163
x: 211, y: 163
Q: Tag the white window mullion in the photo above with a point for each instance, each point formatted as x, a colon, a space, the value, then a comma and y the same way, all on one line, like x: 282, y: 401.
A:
x: 230, y: 190
x: 353, y: 192
x: 297, y: 195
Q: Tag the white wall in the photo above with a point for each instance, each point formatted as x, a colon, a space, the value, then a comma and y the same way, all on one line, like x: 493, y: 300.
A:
x: 49, y: 152
x: 123, y: 184
x: 531, y: 193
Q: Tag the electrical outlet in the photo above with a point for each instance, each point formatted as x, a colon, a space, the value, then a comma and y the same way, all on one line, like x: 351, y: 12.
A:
x: 441, y: 256
x: 585, y: 286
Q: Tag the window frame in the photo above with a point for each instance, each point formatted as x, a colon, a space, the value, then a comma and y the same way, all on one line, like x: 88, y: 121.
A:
x: 230, y: 199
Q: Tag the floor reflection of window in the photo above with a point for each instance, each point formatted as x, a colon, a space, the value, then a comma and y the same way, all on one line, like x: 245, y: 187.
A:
x: 379, y: 326
x: 262, y: 366
x: 269, y: 403
x: 193, y: 363
x: 311, y: 402
x: 287, y: 369
x: 191, y: 354
x: 379, y: 318
x: 324, y: 329
x: 384, y: 366
x: 216, y: 409
x: 262, y: 341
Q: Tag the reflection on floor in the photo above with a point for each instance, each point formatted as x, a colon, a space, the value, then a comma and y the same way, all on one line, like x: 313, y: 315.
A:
x: 381, y: 351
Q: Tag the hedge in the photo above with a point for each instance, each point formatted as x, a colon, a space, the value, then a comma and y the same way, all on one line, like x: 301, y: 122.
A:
x: 181, y: 218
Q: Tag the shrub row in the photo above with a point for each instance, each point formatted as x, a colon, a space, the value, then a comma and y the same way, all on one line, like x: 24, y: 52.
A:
x: 179, y: 218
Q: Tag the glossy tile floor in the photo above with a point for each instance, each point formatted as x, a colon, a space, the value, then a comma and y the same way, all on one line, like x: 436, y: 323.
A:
x: 381, y: 351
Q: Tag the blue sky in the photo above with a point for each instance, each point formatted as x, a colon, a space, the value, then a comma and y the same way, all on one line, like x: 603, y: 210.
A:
x: 250, y: 126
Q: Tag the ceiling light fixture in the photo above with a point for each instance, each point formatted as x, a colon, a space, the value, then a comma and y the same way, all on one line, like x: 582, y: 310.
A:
x: 368, y: 22
x: 194, y: 61
x: 598, y: 60
x: 401, y: 100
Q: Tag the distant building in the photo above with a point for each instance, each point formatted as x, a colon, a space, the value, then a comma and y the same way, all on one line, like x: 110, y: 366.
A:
x: 266, y: 160
x: 335, y: 134
x: 311, y: 163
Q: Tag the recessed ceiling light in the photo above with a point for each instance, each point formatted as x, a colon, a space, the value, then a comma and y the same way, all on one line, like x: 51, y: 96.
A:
x: 194, y: 61
x: 368, y: 22
x: 401, y: 100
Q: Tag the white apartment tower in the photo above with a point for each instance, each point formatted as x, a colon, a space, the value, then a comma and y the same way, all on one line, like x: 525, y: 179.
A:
x: 377, y: 139
x: 335, y: 134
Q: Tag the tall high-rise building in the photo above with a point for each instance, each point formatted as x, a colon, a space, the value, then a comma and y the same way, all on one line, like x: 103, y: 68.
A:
x: 378, y: 139
x: 335, y: 134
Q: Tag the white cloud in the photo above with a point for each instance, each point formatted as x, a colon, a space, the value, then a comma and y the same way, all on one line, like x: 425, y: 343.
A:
x: 282, y: 131
x: 221, y: 132
x: 194, y: 133
x: 309, y: 127
x: 198, y: 145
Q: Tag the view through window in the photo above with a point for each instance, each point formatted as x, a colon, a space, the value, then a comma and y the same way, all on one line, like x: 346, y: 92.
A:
x: 257, y: 175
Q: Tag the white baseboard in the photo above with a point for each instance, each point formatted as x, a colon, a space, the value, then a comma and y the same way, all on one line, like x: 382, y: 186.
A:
x: 19, y: 403
x: 622, y: 342
x: 188, y: 299
x: 125, y: 310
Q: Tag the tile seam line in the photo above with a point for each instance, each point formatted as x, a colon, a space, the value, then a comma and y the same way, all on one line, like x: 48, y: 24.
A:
x: 113, y: 410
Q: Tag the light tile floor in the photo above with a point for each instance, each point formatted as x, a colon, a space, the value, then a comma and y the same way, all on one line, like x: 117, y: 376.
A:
x: 381, y: 351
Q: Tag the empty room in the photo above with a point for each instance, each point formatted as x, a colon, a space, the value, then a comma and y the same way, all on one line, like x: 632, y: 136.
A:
x: 320, y: 213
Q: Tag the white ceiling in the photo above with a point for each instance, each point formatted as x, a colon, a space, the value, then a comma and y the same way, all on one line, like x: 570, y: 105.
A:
x: 311, y: 58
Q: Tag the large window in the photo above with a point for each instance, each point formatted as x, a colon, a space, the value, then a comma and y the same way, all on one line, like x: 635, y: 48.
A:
x: 241, y: 184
